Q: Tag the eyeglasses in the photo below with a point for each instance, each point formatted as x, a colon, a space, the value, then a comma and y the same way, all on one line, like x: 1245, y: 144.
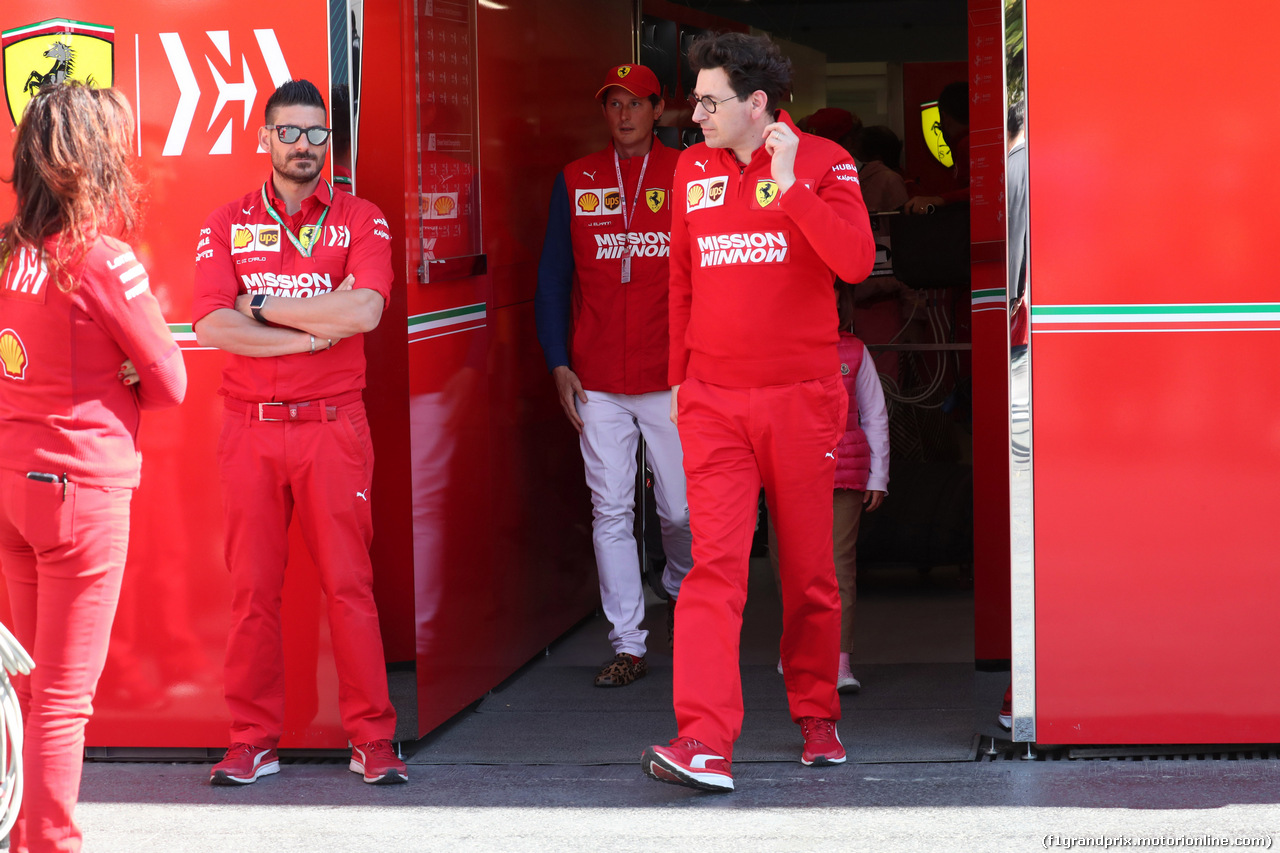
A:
x: 709, y: 103
x: 289, y: 133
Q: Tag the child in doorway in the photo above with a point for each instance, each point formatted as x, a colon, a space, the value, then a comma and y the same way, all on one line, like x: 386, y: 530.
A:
x: 862, y: 471
x: 862, y: 475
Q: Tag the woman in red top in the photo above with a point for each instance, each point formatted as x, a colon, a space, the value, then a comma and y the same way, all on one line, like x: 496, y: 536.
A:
x: 83, y: 347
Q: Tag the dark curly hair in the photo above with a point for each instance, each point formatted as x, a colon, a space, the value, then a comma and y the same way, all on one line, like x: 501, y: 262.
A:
x: 73, y: 174
x: 751, y: 62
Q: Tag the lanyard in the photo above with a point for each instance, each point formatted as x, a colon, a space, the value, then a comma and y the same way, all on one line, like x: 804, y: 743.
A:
x: 635, y: 204
x: 622, y: 190
x: 304, y: 245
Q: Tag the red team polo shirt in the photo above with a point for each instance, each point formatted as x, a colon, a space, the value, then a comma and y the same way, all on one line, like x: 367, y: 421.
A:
x: 63, y: 408
x: 243, y: 250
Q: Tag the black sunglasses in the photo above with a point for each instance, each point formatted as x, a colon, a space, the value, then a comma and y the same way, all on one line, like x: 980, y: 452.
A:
x: 289, y: 133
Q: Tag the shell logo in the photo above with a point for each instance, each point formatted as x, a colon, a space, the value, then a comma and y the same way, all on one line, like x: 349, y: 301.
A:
x: 695, y: 194
x: 241, y: 237
x: 611, y: 200
x: 444, y: 205
x: 589, y: 202
x: 13, y: 355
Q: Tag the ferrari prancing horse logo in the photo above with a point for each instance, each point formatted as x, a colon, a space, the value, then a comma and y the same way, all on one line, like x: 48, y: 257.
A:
x: 655, y: 198
x: 766, y: 192
x: 55, y: 51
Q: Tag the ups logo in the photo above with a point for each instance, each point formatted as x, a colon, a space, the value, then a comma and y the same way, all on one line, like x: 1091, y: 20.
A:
x: 52, y: 52
x: 716, y: 191
x: 612, y: 199
x: 269, y: 236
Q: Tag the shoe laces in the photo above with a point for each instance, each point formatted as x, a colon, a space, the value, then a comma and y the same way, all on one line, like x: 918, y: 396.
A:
x: 817, y: 729
x: 688, y: 743
x: 239, y: 750
x: 378, y: 749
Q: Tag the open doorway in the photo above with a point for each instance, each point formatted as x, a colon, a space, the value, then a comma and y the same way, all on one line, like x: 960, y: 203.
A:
x: 885, y: 64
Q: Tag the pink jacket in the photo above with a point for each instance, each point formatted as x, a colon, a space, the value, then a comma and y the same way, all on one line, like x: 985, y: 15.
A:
x: 853, y: 454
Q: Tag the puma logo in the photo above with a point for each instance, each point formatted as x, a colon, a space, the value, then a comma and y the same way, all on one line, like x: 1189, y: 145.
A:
x: 590, y: 175
x: 247, y: 210
x: 361, y: 495
x: 702, y: 164
x: 831, y: 454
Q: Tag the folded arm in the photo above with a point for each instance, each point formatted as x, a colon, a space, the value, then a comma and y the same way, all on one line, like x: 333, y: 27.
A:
x: 229, y: 330
x: 337, y: 314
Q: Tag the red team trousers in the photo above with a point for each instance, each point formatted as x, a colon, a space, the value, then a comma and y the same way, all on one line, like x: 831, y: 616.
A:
x: 63, y: 560
x: 323, y: 469
x: 735, y: 440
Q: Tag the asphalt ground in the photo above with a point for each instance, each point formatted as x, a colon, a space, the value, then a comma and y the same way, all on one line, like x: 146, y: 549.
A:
x: 1006, y: 805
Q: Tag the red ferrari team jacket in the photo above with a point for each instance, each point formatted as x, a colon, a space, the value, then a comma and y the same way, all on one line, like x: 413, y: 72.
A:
x: 619, y: 341
x: 753, y: 272
x: 242, y: 249
x: 63, y: 408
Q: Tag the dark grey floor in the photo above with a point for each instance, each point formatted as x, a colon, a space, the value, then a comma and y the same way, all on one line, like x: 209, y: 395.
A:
x: 921, y: 699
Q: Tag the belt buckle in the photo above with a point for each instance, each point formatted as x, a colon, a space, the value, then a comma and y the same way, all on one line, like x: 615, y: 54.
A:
x: 263, y: 417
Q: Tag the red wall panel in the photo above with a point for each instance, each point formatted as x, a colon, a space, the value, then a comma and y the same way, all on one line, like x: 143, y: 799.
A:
x: 1155, y: 432
x: 501, y: 513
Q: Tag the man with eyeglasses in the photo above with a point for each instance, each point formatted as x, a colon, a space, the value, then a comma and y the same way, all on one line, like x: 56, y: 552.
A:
x: 766, y: 218
x: 289, y: 277
x: 601, y: 310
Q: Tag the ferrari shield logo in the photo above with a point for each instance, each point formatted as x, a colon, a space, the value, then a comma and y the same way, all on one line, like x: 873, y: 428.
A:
x: 656, y: 198
x: 54, y: 51
x: 766, y: 192
x: 307, y: 236
x: 931, y: 124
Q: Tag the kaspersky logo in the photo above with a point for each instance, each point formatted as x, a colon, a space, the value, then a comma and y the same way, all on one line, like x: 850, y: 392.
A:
x: 244, y: 92
x: 51, y: 52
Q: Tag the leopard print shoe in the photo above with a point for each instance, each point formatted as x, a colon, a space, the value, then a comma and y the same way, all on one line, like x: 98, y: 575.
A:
x: 621, y: 671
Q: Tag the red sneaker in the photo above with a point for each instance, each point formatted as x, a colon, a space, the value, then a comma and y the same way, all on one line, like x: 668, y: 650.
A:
x: 378, y: 763
x: 688, y: 762
x: 821, y: 743
x: 1005, y: 718
x: 243, y: 764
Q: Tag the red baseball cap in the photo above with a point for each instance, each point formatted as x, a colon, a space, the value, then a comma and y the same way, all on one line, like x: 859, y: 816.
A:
x: 636, y: 79
x: 832, y: 122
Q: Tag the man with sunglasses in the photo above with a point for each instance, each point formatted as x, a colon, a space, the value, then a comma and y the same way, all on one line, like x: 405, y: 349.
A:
x: 601, y: 309
x: 289, y: 277
x: 766, y: 218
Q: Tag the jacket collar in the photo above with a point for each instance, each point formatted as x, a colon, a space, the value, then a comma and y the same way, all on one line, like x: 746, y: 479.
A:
x: 323, y: 194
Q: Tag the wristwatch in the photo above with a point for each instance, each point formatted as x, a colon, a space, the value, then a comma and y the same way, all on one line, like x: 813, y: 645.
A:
x: 255, y: 305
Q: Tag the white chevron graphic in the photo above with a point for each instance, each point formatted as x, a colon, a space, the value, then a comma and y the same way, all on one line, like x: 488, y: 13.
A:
x: 189, y: 94
x: 189, y: 88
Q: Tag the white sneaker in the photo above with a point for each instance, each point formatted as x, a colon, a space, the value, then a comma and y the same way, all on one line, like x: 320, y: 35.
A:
x: 846, y: 683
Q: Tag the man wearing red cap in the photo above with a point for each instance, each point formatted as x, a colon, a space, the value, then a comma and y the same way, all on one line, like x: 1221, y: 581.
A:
x: 601, y: 309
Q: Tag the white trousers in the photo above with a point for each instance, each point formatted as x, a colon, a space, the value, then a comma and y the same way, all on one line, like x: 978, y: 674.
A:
x: 611, y: 428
